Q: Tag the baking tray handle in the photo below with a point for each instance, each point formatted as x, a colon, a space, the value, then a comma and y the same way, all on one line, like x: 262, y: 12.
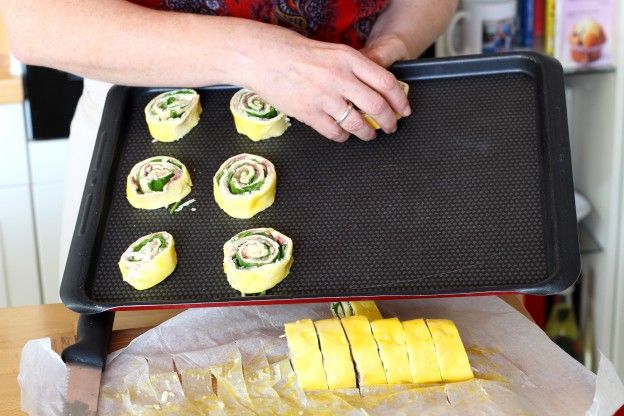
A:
x: 93, y: 336
x: 74, y: 286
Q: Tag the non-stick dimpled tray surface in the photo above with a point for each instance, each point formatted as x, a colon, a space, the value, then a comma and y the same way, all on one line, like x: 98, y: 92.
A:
x: 472, y: 194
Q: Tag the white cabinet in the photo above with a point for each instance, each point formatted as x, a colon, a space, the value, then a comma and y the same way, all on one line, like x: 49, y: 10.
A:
x: 596, y: 116
x: 48, y: 162
x: 13, y: 146
x: 19, y: 269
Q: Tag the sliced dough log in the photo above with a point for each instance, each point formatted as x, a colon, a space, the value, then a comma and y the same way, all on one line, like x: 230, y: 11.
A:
x: 336, y: 354
x: 452, y: 358
x: 391, y: 342
x: 384, y: 351
x: 364, y: 351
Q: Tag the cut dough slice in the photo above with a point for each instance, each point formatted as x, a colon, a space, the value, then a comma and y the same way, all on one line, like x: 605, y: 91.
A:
x: 364, y: 351
x: 172, y: 114
x: 389, y: 336
x: 421, y: 352
x: 157, y: 182
x: 452, y: 358
x: 149, y: 260
x: 256, y: 118
x: 336, y: 354
x: 305, y: 354
x: 366, y: 308
x: 255, y: 260
x: 244, y: 185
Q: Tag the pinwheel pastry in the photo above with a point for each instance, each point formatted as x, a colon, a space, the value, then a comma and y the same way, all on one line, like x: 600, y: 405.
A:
x: 245, y: 185
x: 172, y: 114
x: 256, y: 260
x: 157, y: 182
x: 373, y: 123
x: 149, y: 260
x: 256, y: 118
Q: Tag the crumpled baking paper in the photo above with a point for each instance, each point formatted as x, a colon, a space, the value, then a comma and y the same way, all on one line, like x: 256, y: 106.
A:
x: 233, y: 360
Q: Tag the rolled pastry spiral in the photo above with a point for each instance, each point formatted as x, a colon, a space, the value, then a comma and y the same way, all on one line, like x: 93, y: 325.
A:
x: 256, y: 260
x: 372, y: 122
x: 172, y: 114
x: 256, y: 118
x: 245, y: 185
x: 157, y: 182
x: 149, y: 260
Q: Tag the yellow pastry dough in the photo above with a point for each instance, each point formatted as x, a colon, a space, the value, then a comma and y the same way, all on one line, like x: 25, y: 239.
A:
x: 388, y: 334
x: 373, y: 123
x: 452, y: 358
x: 157, y: 182
x: 421, y: 352
x: 245, y: 185
x: 305, y: 354
x: 366, y: 308
x: 172, y: 114
x: 255, y: 260
x: 336, y: 355
x: 149, y: 260
x: 255, y: 118
x: 370, y: 371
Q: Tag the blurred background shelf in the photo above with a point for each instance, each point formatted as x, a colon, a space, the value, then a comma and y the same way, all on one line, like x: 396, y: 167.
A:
x: 587, y: 242
x: 538, y: 46
x: 587, y: 37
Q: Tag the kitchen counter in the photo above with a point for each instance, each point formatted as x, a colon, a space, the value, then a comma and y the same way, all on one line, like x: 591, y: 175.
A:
x: 11, y: 89
x: 18, y: 325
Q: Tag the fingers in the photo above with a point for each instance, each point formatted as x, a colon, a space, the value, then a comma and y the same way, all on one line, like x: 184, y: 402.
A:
x: 373, y: 104
x: 353, y: 123
x: 382, y: 81
x: 328, y: 127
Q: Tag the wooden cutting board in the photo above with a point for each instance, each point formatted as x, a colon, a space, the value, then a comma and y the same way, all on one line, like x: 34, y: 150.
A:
x: 11, y: 90
x: 18, y: 325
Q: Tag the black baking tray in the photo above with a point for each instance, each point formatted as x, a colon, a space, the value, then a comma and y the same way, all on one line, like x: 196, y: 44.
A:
x: 473, y: 194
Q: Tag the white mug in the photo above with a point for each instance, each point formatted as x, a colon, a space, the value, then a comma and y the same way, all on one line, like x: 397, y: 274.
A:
x: 488, y: 27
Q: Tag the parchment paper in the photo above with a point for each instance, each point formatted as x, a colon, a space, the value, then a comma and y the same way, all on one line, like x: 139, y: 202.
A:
x: 519, y: 371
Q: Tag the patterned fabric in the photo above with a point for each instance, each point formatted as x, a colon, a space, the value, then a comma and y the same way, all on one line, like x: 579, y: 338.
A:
x: 338, y: 21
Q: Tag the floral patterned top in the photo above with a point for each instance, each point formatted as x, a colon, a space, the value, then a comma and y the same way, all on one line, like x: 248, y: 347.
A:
x: 338, y: 21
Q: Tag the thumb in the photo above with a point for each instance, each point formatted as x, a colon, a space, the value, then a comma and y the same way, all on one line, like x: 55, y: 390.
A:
x: 381, y: 56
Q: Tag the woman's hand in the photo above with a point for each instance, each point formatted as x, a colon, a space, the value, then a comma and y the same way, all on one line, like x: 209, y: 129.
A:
x: 312, y: 81
x: 315, y: 81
